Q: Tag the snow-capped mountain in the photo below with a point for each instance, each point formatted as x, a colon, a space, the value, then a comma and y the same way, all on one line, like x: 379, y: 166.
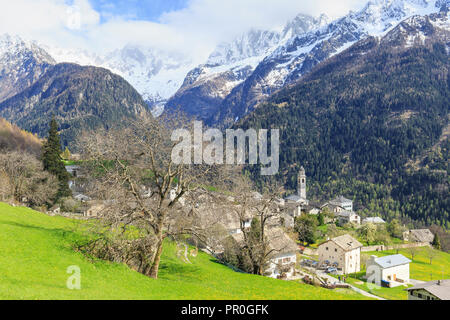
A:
x: 21, y: 64
x: 296, y: 53
x: 231, y: 64
x: 155, y: 74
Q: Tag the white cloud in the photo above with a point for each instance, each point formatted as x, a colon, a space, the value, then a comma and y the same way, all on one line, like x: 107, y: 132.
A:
x: 193, y: 31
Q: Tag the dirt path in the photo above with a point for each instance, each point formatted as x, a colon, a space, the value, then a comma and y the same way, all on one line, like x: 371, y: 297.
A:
x: 334, y: 280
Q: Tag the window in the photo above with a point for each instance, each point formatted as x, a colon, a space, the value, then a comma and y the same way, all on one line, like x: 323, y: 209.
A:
x: 419, y: 295
x: 335, y: 250
x: 326, y: 248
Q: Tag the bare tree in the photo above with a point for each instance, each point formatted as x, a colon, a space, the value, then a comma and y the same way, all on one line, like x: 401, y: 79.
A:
x: 431, y: 254
x: 134, y: 173
x: 26, y: 179
x: 412, y: 251
x: 263, y: 211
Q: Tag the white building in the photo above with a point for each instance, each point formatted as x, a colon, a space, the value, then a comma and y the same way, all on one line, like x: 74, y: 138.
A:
x: 374, y: 220
x: 433, y: 290
x: 388, y: 271
x: 343, y: 252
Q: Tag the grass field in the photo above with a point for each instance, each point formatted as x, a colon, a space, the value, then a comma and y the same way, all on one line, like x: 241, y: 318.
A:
x: 37, y: 249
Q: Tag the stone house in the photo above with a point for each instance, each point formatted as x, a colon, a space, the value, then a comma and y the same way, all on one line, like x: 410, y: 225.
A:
x: 283, y: 259
x: 419, y: 235
x: 343, y: 251
x: 344, y: 217
x: 343, y: 202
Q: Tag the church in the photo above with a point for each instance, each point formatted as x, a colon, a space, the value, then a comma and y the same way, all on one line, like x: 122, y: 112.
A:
x: 296, y: 203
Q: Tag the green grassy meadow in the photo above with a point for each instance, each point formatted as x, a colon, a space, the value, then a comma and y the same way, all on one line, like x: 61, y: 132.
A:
x: 37, y: 249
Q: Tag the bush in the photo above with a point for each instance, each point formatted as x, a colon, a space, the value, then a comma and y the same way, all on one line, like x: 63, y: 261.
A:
x: 69, y: 205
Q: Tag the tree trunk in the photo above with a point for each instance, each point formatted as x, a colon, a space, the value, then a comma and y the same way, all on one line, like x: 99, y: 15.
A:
x: 157, y: 259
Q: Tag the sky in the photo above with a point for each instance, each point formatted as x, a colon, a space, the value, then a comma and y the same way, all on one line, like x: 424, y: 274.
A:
x: 190, y: 27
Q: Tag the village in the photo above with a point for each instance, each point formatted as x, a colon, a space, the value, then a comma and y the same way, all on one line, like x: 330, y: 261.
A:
x: 335, y: 259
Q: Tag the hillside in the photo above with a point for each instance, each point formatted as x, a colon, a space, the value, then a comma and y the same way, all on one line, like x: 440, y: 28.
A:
x: 13, y: 138
x: 37, y: 249
x: 79, y: 97
x: 359, y: 118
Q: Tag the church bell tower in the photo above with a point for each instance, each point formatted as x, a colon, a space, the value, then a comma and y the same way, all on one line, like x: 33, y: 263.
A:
x: 301, y: 183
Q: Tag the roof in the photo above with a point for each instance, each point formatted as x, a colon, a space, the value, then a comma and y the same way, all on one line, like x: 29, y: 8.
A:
x: 341, y: 199
x: 374, y: 220
x: 295, y: 198
x: 278, y: 241
x: 442, y: 290
x: 392, y: 261
x: 346, y: 242
x: 331, y: 205
x: 421, y: 235
x: 345, y: 214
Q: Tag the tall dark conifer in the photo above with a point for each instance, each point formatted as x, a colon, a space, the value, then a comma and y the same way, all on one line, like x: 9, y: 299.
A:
x: 51, y: 158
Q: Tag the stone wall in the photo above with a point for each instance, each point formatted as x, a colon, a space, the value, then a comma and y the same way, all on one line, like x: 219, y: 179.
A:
x: 397, y: 246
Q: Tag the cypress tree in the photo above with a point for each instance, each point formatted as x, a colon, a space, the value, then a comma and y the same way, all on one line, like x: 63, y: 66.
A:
x: 52, y: 161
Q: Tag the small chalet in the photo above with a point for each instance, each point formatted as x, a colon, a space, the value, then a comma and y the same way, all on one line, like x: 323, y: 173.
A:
x: 389, y: 271
x: 433, y: 290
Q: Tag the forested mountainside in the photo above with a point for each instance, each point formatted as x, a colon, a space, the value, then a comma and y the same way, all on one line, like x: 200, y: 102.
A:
x: 372, y: 123
x: 79, y: 98
x: 13, y: 138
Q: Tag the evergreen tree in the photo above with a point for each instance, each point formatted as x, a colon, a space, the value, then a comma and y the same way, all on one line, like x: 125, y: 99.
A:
x: 66, y: 154
x: 437, y: 242
x: 321, y: 219
x: 52, y: 160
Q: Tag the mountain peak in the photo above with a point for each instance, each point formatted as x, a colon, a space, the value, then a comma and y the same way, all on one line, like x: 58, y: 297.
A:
x: 21, y: 64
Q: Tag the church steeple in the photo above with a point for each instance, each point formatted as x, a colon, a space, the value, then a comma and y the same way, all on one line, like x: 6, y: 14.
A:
x: 301, y: 183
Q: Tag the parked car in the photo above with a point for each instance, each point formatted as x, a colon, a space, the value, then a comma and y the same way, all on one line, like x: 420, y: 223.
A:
x: 331, y: 270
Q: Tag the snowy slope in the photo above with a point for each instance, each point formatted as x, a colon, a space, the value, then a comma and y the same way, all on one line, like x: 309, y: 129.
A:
x: 21, y: 64
x: 295, y: 58
x: 156, y: 75
x: 231, y: 64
